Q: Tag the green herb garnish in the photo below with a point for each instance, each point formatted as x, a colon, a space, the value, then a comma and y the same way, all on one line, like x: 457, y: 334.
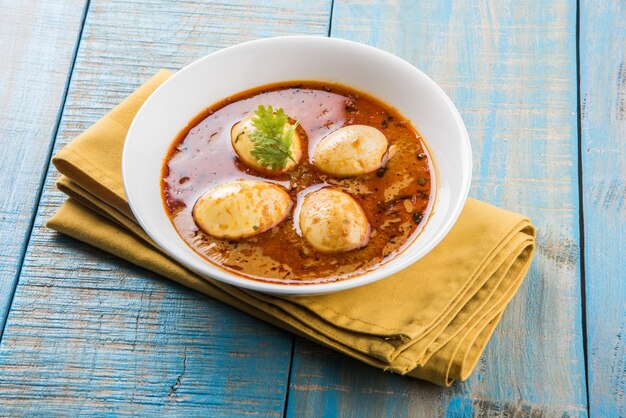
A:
x: 272, y: 142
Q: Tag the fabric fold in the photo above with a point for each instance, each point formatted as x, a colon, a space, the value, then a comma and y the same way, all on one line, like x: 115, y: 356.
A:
x: 436, y: 316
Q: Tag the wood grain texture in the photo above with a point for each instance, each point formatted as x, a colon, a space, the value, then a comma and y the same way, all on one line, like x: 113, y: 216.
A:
x: 603, y: 123
x: 37, y: 44
x: 511, y: 70
x: 89, y: 333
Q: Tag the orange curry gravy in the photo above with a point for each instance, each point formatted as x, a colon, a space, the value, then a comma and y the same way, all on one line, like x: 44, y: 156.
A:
x: 396, y: 198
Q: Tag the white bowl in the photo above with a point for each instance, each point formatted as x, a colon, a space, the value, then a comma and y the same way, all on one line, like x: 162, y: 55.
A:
x: 251, y: 64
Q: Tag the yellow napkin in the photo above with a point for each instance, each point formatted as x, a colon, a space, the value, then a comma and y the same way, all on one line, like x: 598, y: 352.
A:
x: 430, y: 321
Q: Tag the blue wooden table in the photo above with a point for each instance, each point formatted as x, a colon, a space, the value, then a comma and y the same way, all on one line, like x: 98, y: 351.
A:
x: 541, y: 86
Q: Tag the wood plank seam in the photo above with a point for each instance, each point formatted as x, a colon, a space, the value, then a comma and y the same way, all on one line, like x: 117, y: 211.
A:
x: 44, y: 173
x: 581, y: 215
x: 37, y: 41
x: 290, y: 371
x: 603, y: 154
x: 330, y: 18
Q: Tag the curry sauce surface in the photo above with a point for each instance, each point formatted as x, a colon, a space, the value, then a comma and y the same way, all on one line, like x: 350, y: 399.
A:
x: 396, y: 198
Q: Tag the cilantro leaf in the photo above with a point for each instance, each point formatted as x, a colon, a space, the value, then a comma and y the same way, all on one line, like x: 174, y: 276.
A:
x: 272, y: 142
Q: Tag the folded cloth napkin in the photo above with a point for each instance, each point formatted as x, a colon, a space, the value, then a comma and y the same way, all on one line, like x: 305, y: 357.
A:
x: 430, y: 321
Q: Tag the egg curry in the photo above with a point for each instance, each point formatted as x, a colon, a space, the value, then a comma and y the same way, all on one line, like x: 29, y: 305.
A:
x: 298, y: 183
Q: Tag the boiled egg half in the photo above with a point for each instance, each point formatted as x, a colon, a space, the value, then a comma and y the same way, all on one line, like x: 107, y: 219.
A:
x: 351, y: 151
x: 241, y: 209
x: 243, y: 146
x: 332, y: 221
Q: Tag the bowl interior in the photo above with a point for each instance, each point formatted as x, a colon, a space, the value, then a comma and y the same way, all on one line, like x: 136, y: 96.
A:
x: 266, y: 61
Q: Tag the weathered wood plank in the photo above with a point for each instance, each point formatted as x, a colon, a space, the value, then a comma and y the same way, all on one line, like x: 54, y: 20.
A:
x: 603, y: 122
x: 88, y: 332
x: 37, y: 44
x: 511, y: 69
